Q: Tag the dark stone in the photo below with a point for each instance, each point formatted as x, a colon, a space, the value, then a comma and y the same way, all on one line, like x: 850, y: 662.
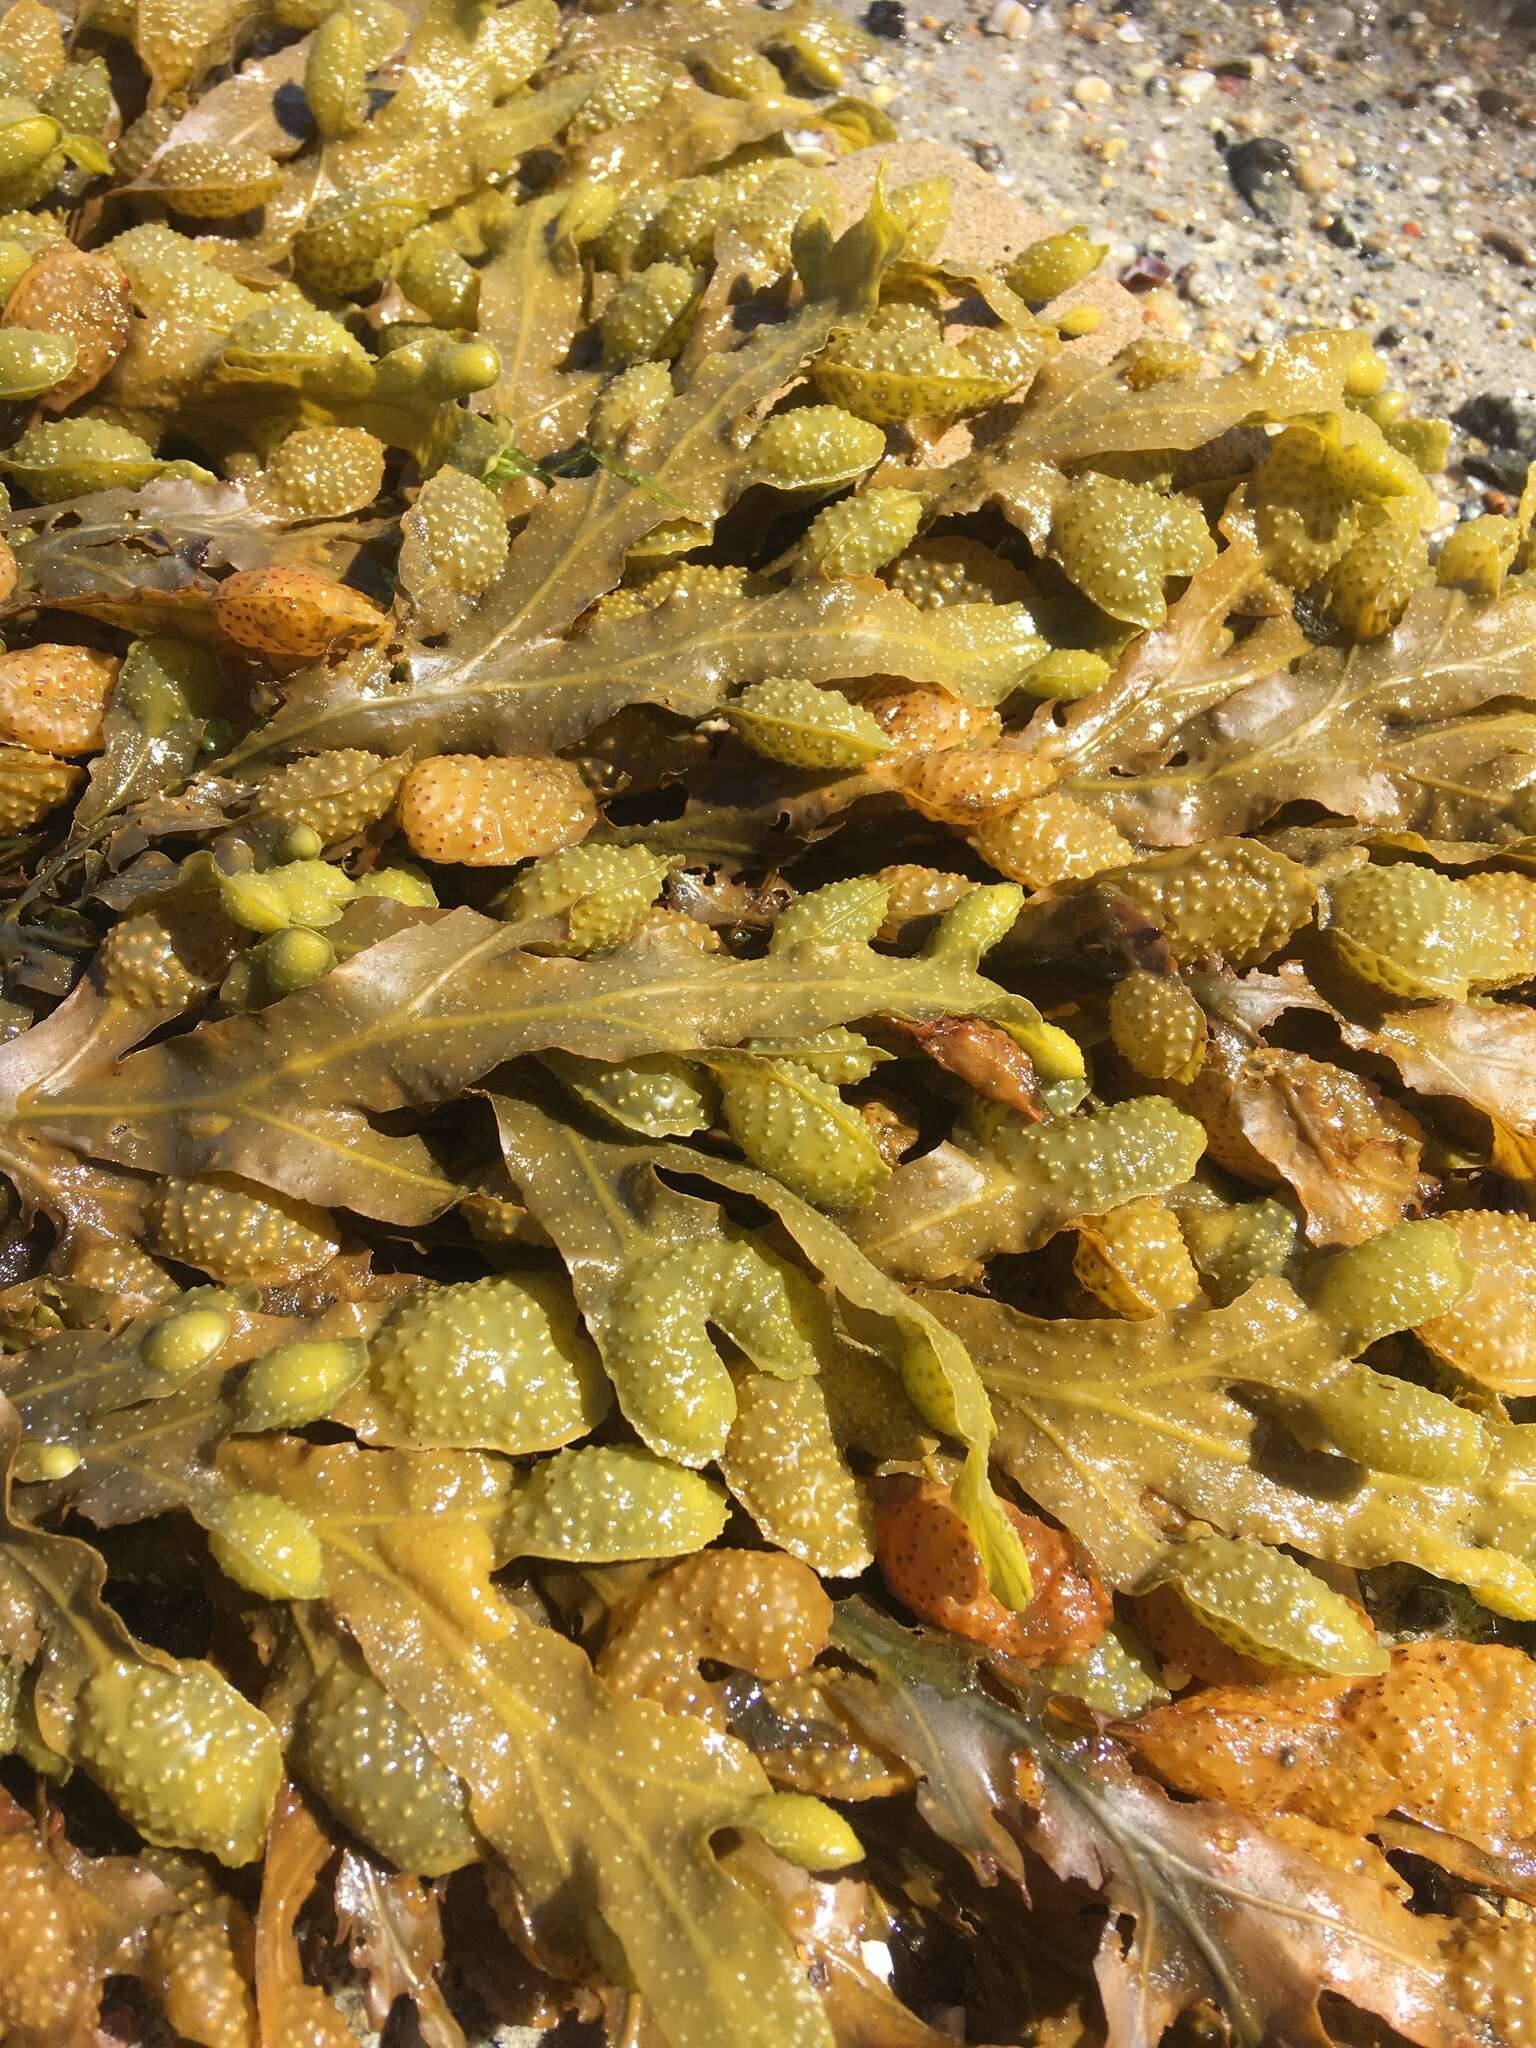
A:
x: 1506, y: 423
x: 1390, y: 337
x: 886, y: 18
x: 1311, y: 613
x: 988, y: 155
x: 1342, y: 234
x: 1263, y: 170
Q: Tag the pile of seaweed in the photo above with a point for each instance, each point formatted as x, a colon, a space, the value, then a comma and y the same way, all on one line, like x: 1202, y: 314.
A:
x: 768, y: 1085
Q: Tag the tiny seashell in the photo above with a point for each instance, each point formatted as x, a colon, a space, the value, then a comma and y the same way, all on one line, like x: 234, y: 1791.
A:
x: 809, y: 145
x: 1009, y: 18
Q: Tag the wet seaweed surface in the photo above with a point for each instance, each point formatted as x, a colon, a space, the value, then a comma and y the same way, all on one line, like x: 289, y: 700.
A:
x: 768, y: 1093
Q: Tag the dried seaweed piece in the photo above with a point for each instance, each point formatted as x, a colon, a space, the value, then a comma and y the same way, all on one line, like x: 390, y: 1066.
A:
x: 287, y: 2006
x: 394, y: 1932
x: 1349, y: 1154
x: 1217, y: 1910
x: 984, y: 1056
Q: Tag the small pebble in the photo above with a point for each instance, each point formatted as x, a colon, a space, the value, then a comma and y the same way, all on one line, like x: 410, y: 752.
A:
x: 886, y: 18
x: 1191, y: 87
x: 1093, y: 92
x: 1009, y: 18
x: 1262, y: 170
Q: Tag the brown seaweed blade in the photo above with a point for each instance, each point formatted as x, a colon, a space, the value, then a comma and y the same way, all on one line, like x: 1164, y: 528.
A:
x: 569, y: 1782
x: 684, y: 655
x: 1380, y: 734
x: 421, y: 1016
x: 572, y: 549
x: 1099, y: 1422
x: 1220, y: 1910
